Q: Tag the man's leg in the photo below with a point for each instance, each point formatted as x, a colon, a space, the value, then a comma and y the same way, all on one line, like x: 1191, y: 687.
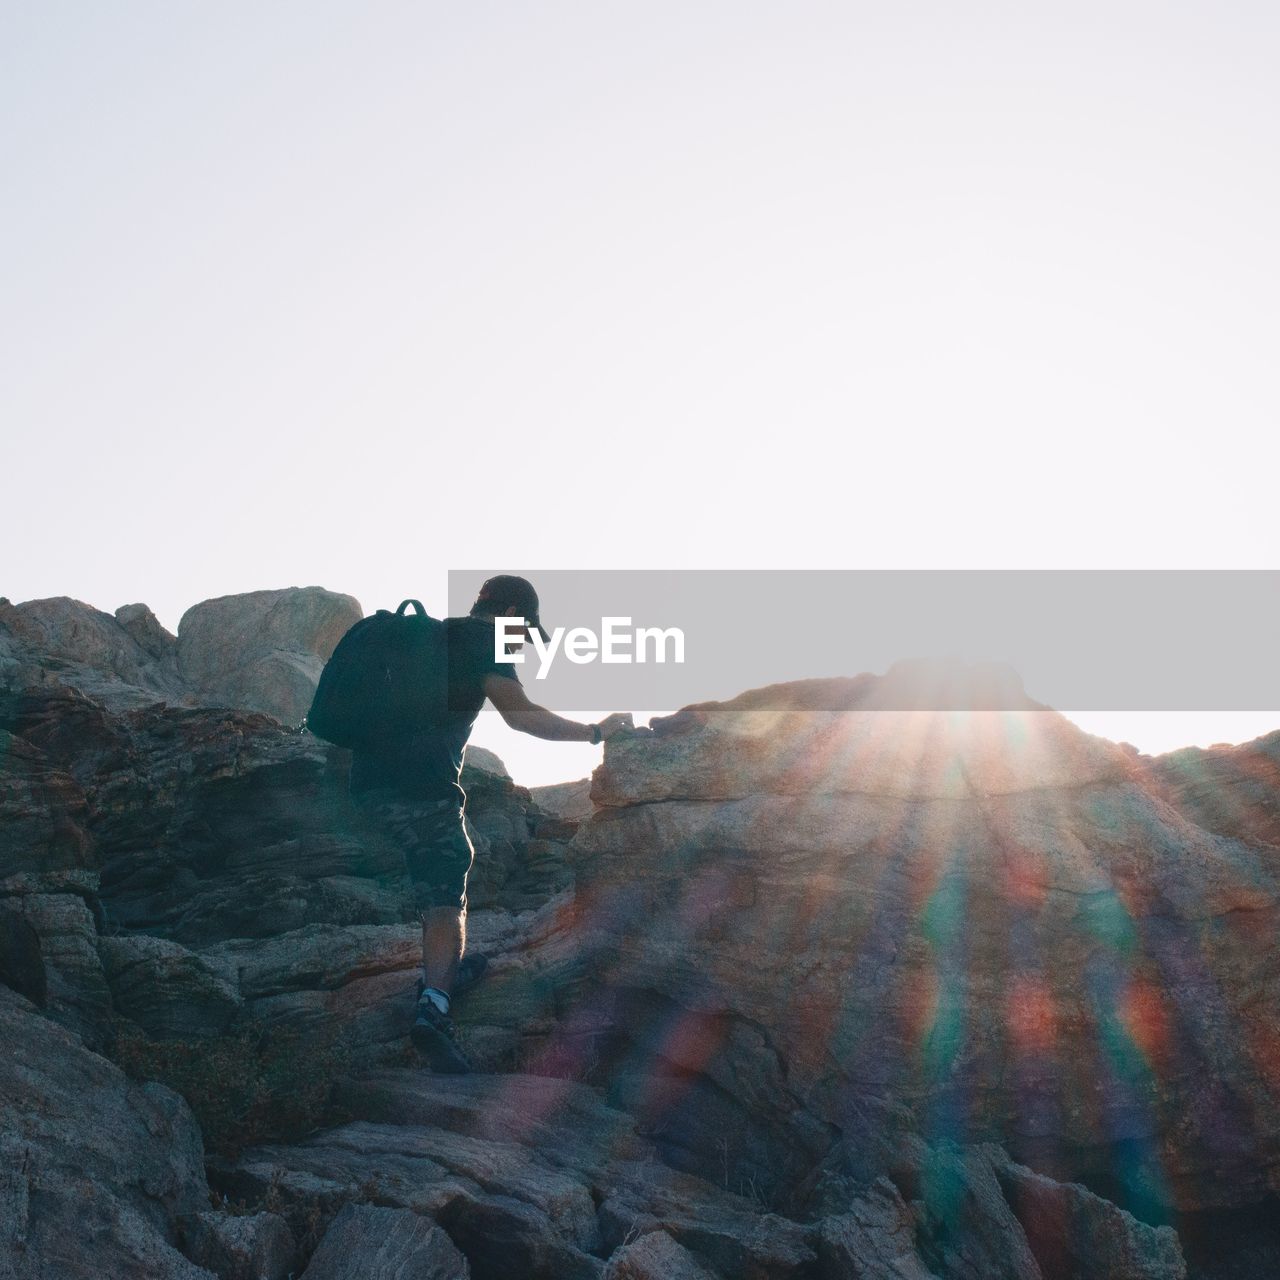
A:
x: 444, y: 938
x: 439, y: 858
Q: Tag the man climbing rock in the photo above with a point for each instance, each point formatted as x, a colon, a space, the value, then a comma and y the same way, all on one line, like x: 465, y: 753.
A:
x: 409, y: 786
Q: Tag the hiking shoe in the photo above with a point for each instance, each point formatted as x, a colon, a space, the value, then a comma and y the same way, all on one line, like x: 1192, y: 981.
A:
x: 434, y: 1037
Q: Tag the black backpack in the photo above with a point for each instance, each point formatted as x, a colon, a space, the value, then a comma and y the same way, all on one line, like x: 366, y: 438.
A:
x: 387, y: 678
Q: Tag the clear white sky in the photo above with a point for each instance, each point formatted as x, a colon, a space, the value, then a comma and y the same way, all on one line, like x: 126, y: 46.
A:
x: 351, y: 294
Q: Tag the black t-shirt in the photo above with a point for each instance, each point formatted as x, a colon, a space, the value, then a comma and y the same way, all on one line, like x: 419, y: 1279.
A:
x: 426, y: 765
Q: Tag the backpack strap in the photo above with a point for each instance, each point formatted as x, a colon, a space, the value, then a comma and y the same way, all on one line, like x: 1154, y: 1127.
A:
x: 417, y: 604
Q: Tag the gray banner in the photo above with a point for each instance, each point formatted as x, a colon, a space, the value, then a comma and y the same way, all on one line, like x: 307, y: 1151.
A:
x: 1079, y: 640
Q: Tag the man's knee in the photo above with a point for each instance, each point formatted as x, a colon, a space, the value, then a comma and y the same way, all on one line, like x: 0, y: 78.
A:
x: 437, y: 916
x: 440, y: 900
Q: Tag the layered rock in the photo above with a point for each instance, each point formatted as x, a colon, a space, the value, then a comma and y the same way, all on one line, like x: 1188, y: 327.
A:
x: 250, y: 1246
x: 569, y: 800
x: 191, y: 892
x: 96, y: 1172
x: 260, y: 651
x: 369, y: 1242
x: 234, y: 847
x: 822, y: 987
x: 990, y: 921
x: 125, y: 661
x: 539, y: 1177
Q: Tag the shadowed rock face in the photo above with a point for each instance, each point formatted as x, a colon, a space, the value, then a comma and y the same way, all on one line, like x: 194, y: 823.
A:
x: 767, y: 1015
x: 96, y: 1172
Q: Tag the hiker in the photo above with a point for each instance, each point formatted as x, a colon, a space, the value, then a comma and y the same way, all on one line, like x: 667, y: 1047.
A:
x: 410, y: 788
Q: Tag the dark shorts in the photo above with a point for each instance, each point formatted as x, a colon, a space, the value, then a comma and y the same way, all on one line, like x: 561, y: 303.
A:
x: 433, y: 835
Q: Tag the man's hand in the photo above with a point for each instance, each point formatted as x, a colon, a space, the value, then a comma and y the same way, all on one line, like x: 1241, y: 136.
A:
x: 615, y: 723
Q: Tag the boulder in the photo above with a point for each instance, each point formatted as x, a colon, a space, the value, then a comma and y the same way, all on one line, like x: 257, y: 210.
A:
x: 264, y: 650
x: 124, y: 661
x: 485, y: 761
x: 261, y: 651
x: 253, y: 1246
x: 76, y: 990
x: 356, y: 983
x: 655, y: 1256
x: 1228, y: 790
x: 975, y: 1213
x: 368, y: 1242
x: 1076, y: 1235
x: 569, y: 800
x: 144, y: 628
x: 966, y: 1230
x: 509, y: 1212
x: 513, y: 1167
x: 95, y: 1171
x: 520, y: 861
x: 873, y: 1239
x: 168, y: 991
x: 849, y: 737
x: 203, y: 824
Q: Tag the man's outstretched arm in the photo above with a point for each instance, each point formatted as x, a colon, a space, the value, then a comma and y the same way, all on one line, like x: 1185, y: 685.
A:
x: 527, y: 717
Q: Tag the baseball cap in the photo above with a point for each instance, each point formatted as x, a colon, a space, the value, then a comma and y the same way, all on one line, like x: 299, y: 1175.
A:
x: 507, y: 590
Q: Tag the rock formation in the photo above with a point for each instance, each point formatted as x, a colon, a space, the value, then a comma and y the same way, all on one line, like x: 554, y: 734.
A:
x: 262, y: 651
x: 1004, y: 926
x: 125, y: 661
x: 570, y: 800
x: 817, y: 989
x: 96, y: 1172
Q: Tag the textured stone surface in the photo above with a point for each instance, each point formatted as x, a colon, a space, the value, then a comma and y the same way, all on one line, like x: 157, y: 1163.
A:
x: 367, y: 1242
x: 21, y: 960
x: 264, y: 650
x: 655, y: 1256
x: 1234, y: 791
x: 485, y: 760
x: 570, y: 800
x: 994, y: 919
x: 202, y: 824
x: 254, y: 1246
x: 125, y: 661
x: 76, y: 990
x: 260, y: 651
x: 42, y: 813
x: 765, y: 1016
x: 1074, y: 1233
x: 145, y: 630
x: 514, y: 1167
x: 95, y: 1171
x: 498, y: 1202
x: 166, y: 989
x: 966, y: 1230
x: 873, y: 1239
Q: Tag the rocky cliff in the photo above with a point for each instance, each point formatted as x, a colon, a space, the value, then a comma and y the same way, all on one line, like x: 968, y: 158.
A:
x: 817, y: 989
